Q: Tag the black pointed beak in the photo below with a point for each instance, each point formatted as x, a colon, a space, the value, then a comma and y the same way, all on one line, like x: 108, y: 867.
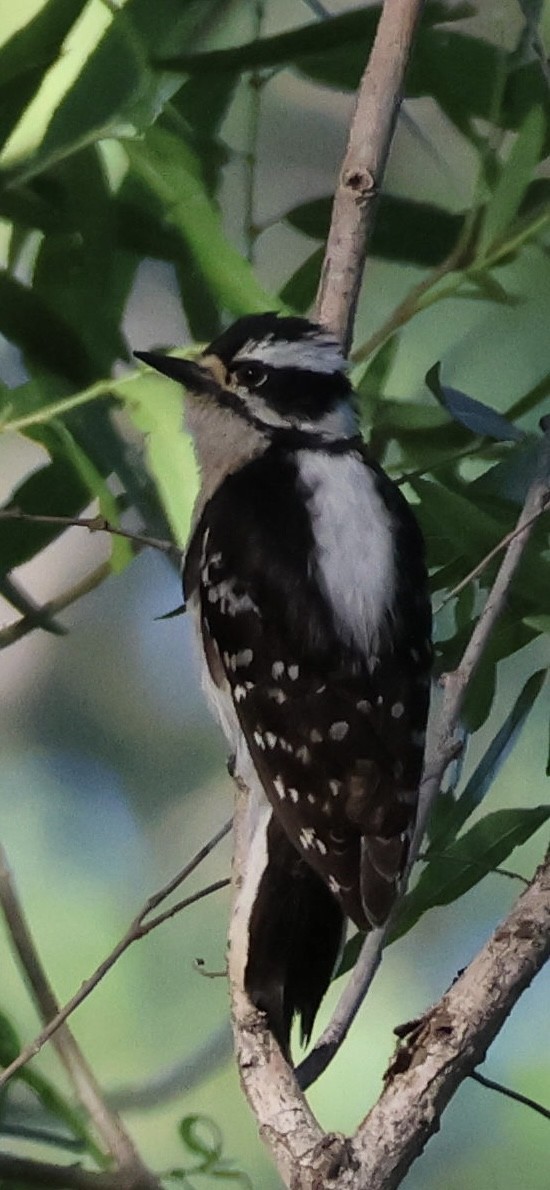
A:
x: 185, y: 371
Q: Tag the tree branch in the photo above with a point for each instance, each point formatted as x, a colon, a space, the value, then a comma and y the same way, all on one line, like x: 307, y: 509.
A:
x: 363, y: 167
x: 94, y: 524
x: 138, y: 929
x: 453, y: 1040
x: 14, y: 632
x: 491, y: 1085
x: 107, y: 1123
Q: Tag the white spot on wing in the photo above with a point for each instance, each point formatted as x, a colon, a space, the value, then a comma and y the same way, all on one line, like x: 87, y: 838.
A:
x: 244, y: 658
x: 279, y: 786
x: 278, y: 669
x: 293, y: 672
x: 397, y: 710
x: 338, y: 730
x: 307, y: 837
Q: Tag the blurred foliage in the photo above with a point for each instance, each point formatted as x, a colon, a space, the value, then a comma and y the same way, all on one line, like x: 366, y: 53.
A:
x: 130, y: 166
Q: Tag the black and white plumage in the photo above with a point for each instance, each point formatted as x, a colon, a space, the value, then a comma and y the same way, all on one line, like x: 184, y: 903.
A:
x: 306, y: 574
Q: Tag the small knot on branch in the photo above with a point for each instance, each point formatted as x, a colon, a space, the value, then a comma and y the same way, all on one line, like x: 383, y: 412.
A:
x: 362, y: 184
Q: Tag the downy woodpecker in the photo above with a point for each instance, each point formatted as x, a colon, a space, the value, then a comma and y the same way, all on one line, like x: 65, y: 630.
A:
x: 305, y: 574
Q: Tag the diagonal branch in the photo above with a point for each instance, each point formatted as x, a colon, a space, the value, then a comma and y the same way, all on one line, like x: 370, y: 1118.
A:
x: 94, y: 524
x: 139, y: 928
x: 14, y: 632
x: 453, y: 1040
x: 109, y: 1127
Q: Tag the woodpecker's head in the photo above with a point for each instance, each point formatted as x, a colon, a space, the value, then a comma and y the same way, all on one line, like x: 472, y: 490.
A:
x: 270, y: 372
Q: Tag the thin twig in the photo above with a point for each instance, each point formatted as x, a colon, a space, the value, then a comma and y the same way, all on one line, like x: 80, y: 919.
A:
x: 496, y: 550
x: 360, y: 180
x: 108, y: 1125
x: 410, y: 304
x: 441, y: 752
x: 94, y: 524
x: 139, y: 928
x: 507, y: 1091
x: 14, y: 632
x: 255, y: 86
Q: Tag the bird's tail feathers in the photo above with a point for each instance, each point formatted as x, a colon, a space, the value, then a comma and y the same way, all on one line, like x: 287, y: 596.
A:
x: 295, y: 933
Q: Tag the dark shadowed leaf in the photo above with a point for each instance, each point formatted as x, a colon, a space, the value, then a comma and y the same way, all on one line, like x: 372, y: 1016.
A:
x: 116, y: 87
x: 55, y: 490
x: 349, y: 30
x: 467, y: 860
x: 511, y: 477
x: 43, y: 336
x: 515, y: 176
x: 416, y: 232
x: 478, y: 418
x: 454, y: 815
x: 299, y: 291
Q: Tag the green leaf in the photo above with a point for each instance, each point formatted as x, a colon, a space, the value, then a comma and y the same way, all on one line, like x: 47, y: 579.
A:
x: 510, y: 478
x: 539, y: 623
x: 416, y: 232
x: 514, y: 179
x: 478, y: 418
x: 116, y: 88
x: 172, y: 171
x: 28, y: 55
x: 449, y: 822
x: 121, y: 550
x: 155, y: 407
x: 45, y: 337
x: 54, y: 490
x: 455, y: 525
x: 79, y: 272
x: 59, y: 1107
x: 350, y: 30
x: 468, y: 860
x: 299, y: 291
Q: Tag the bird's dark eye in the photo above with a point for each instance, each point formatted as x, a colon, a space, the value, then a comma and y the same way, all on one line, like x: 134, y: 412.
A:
x: 250, y: 375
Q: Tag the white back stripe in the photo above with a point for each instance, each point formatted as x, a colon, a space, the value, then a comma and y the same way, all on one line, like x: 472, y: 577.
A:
x: 318, y: 353
x: 353, y: 557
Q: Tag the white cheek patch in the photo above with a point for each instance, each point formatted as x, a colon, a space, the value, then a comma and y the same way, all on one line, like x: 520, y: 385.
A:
x: 353, y: 556
x: 319, y: 353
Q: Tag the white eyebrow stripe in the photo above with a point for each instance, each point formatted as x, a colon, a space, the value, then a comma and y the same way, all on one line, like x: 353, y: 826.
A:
x: 321, y: 353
